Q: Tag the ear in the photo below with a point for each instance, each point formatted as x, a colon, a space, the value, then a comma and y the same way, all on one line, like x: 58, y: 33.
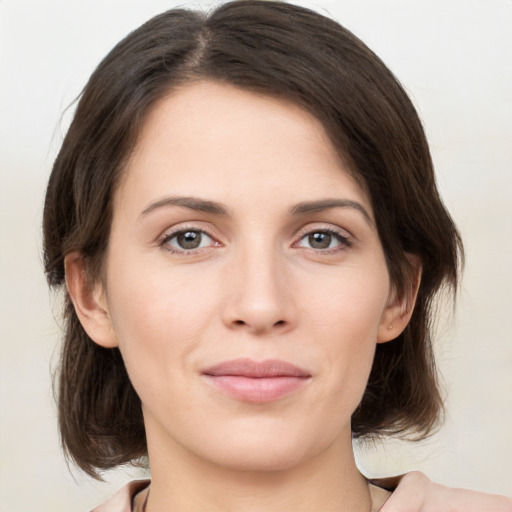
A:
x: 89, y: 301
x: 399, y: 310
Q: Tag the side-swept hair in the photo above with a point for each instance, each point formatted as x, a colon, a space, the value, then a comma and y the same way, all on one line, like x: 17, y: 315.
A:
x: 285, y: 51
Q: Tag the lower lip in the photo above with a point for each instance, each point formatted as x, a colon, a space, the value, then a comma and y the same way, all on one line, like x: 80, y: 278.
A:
x: 257, y: 390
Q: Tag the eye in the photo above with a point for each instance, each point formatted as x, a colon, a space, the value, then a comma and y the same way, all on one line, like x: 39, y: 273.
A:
x: 187, y: 240
x: 323, y: 240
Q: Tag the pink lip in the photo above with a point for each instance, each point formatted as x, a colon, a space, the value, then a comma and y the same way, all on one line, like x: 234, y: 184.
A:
x: 251, y: 381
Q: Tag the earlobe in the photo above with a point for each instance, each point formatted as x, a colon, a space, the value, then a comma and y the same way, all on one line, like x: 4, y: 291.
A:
x: 89, y: 302
x: 400, y: 309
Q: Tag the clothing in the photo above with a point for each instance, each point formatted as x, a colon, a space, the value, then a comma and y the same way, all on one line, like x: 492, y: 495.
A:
x: 122, y: 501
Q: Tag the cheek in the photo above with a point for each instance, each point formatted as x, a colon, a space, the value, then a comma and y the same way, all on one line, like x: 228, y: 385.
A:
x: 159, y: 320
x: 350, y: 305
x: 156, y: 298
x: 345, y: 319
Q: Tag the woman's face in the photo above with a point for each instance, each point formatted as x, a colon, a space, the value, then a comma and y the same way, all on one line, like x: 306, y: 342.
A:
x: 246, y: 285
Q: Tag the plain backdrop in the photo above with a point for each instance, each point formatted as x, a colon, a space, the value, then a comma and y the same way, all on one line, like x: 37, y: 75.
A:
x: 454, y: 57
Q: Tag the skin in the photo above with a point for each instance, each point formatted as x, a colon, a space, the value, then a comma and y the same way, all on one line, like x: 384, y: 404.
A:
x: 259, y: 285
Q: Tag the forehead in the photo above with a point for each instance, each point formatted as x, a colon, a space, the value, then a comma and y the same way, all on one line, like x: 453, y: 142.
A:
x: 218, y: 139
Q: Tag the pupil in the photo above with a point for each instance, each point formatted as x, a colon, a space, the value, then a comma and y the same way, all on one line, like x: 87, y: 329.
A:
x: 320, y: 240
x: 189, y: 240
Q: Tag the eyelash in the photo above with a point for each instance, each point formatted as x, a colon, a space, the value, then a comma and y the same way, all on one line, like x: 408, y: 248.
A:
x: 164, y: 242
x: 344, y: 241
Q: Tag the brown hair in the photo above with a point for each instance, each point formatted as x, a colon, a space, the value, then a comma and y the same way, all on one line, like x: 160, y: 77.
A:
x: 278, y: 49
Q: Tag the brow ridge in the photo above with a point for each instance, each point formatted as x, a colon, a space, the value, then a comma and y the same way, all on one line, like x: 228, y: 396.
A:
x: 215, y: 208
x: 193, y: 203
x: 326, y: 204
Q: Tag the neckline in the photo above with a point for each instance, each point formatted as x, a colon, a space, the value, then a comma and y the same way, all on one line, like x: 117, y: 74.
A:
x: 378, y: 496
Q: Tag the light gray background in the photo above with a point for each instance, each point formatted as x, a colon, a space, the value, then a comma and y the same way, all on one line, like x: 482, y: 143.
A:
x: 455, y: 59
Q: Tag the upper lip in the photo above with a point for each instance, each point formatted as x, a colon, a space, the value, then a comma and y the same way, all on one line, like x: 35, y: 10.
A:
x: 256, y: 369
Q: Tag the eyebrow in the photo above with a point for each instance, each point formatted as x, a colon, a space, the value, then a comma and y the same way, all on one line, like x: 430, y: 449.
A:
x: 326, y: 204
x: 192, y: 203
x: 215, y: 208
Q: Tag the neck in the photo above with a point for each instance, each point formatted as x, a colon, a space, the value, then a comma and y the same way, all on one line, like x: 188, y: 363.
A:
x: 330, y: 482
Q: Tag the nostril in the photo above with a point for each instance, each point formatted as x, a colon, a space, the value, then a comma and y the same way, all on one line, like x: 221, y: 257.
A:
x: 280, y: 322
x: 239, y: 322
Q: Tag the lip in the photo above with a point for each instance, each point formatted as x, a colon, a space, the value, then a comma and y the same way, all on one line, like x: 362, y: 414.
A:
x: 256, y: 381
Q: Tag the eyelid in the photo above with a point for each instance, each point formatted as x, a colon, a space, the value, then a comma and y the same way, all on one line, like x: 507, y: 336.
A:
x: 345, y: 238
x: 183, y: 228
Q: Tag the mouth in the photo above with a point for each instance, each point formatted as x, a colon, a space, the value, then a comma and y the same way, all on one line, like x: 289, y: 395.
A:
x: 258, y: 382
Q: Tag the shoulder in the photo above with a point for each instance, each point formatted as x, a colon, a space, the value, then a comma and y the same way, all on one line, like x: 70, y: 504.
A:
x: 122, y: 500
x: 379, y: 496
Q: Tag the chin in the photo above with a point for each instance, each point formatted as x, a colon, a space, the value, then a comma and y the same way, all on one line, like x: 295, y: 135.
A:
x: 263, y: 450
x: 260, y: 459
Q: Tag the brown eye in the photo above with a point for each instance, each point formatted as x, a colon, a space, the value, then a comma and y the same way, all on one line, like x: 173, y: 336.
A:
x: 320, y: 240
x: 187, y: 240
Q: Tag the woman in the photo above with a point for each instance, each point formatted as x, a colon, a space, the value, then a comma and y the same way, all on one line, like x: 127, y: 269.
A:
x: 245, y: 216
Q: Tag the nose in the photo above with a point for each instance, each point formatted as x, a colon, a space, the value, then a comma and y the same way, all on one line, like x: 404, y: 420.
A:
x: 259, y: 294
